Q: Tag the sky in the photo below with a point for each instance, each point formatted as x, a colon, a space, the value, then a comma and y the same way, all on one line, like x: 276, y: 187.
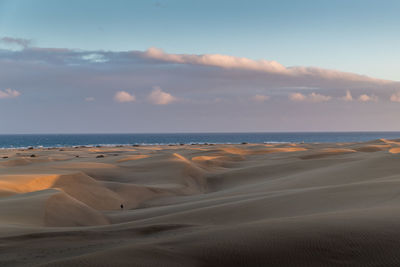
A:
x: 199, y: 66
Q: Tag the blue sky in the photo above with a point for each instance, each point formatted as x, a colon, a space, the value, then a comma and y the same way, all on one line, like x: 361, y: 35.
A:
x: 177, y: 66
x: 356, y: 36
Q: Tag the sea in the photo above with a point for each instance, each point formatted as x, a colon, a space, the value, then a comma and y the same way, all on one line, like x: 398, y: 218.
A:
x: 69, y: 140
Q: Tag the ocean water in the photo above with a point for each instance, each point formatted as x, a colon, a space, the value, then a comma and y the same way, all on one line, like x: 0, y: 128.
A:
x: 66, y: 140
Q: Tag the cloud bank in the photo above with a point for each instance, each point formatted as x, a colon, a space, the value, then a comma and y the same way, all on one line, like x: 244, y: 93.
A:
x: 216, y: 60
x: 231, y: 62
x: 206, y: 92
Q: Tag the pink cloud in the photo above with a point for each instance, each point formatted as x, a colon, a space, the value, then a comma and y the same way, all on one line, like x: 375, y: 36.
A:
x: 9, y: 93
x: 313, y: 97
x: 159, y: 97
x: 395, y: 97
x: 367, y: 98
x: 297, y: 97
x: 216, y: 60
x: 273, y: 67
x: 348, y: 97
x: 260, y: 98
x: 124, y: 97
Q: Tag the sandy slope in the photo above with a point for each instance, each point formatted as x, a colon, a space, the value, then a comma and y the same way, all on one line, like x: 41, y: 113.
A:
x: 202, y: 205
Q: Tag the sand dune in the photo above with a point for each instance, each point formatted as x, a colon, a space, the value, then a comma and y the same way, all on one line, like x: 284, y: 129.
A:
x: 394, y: 150
x: 200, y: 205
x: 134, y: 157
x: 63, y: 210
x: 327, y: 152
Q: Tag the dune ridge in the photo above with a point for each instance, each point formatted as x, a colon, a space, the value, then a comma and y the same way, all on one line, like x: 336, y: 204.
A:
x: 202, y: 205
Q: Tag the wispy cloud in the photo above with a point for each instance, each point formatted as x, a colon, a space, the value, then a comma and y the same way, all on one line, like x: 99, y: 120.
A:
x: 9, y: 93
x: 159, y: 97
x: 16, y: 41
x: 124, y: 97
x: 95, y: 58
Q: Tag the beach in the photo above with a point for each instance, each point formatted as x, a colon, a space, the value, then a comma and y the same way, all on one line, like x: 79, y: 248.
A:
x: 285, y: 204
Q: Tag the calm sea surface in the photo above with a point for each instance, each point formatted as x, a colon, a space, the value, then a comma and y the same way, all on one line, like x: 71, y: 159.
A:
x: 62, y: 140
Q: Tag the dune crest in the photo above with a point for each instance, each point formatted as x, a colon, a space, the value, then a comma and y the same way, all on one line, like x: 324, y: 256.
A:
x: 202, y: 205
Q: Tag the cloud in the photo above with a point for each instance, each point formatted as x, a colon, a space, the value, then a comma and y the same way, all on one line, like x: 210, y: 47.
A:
x: 395, y: 97
x: 158, y: 97
x: 297, y: 97
x: 313, y: 97
x: 260, y: 98
x: 53, y: 74
x: 231, y: 62
x: 367, y: 98
x: 16, y: 41
x: 348, y: 97
x: 124, y: 97
x: 9, y: 93
x: 216, y: 60
x: 95, y: 58
x: 90, y: 99
x: 205, y: 69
